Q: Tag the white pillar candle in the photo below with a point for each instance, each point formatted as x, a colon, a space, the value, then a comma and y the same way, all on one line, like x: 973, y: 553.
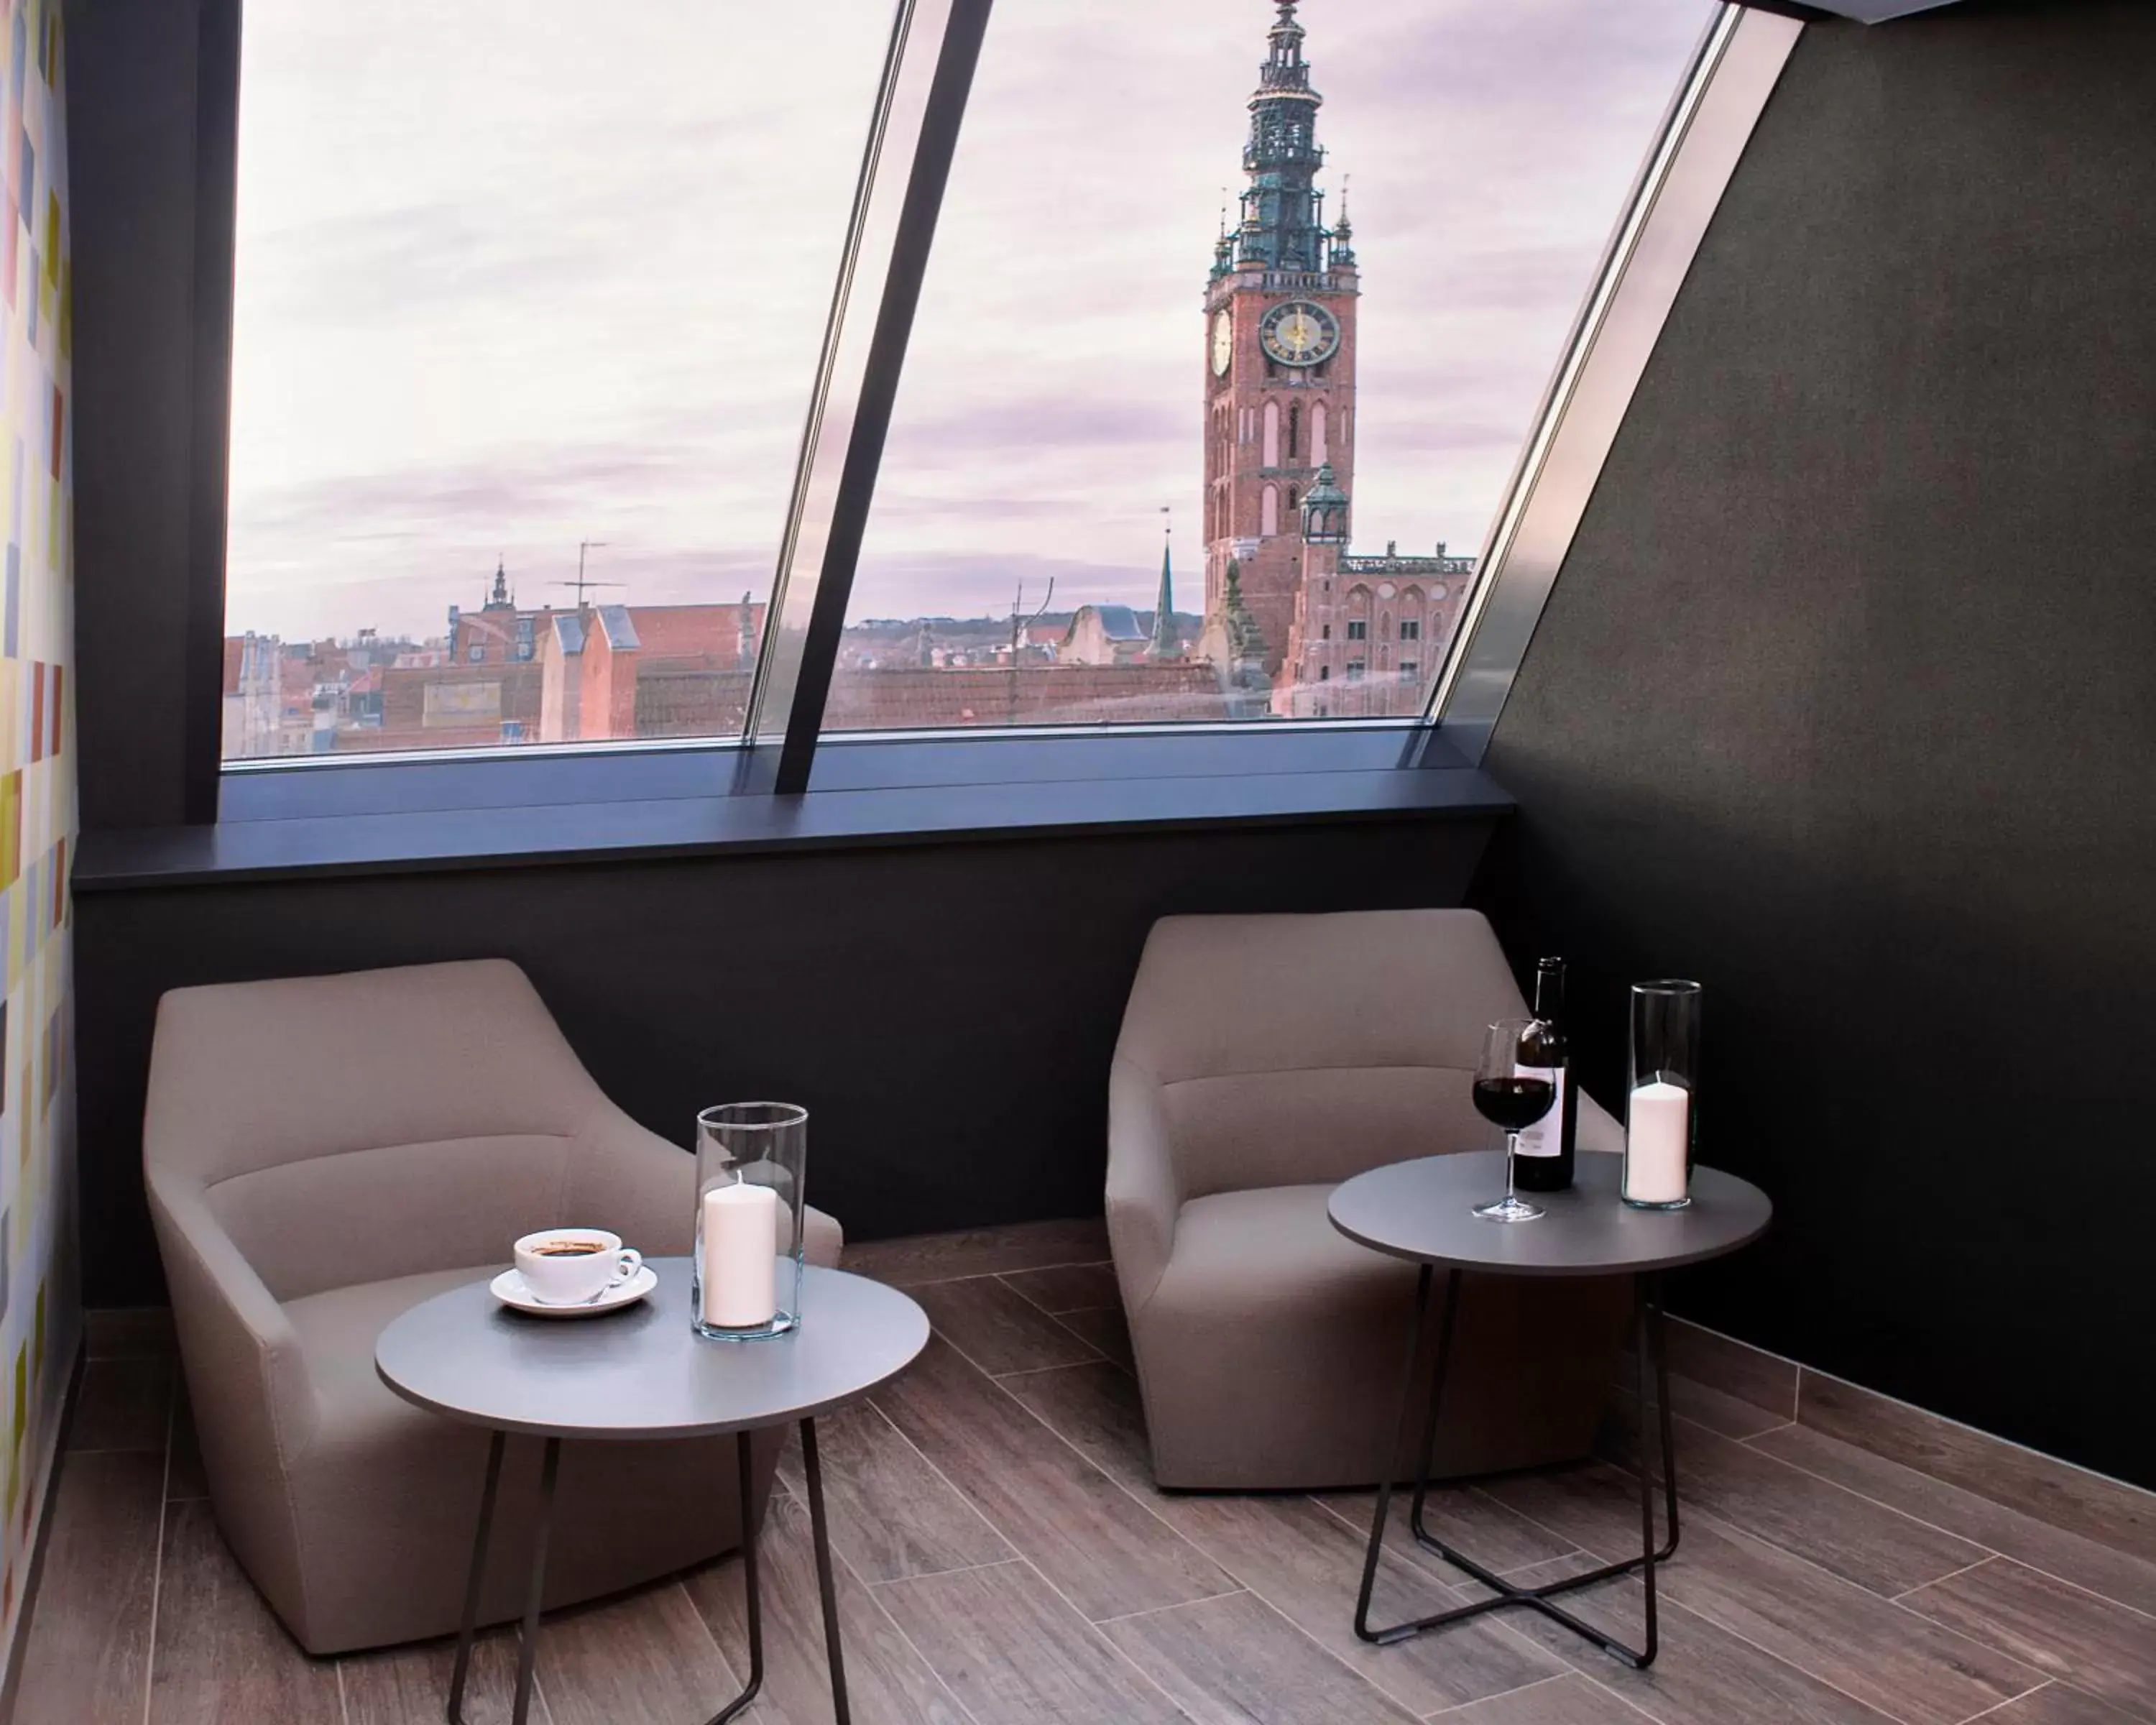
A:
x: 1656, y: 1136
x: 740, y: 1267
x: 774, y: 1178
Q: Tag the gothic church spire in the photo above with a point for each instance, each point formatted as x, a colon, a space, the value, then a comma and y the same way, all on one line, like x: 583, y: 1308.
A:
x: 1166, y: 643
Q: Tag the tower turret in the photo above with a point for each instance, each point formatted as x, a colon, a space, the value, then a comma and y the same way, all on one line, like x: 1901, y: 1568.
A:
x: 1325, y: 511
x: 1341, y: 252
x: 1281, y: 228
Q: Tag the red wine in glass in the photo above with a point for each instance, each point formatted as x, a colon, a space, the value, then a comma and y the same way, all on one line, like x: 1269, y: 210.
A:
x: 1513, y: 1103
x: 1506, y: 1098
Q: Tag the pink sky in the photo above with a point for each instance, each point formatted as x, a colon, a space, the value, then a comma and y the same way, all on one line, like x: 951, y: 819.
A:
x: 563, y: 275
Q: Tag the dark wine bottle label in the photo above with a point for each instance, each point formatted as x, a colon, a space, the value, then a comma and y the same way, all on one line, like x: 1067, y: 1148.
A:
x: 1542, y: 1138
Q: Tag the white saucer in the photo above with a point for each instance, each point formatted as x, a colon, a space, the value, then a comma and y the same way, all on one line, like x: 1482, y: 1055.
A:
x: 509, y: 1288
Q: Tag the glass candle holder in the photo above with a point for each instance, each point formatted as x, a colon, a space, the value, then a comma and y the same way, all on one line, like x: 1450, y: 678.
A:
x: 751, y: 1166
x: 1662, y: 1111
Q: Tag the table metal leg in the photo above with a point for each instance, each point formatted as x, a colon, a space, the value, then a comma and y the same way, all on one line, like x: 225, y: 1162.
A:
x: 1652, y: 1355
x: 1388, y: 1464
x: 528, y: 1656
x: 470, y: 1625
x: 1651, y: 1298
x: 826, y: 1583
x: 751, y: 1586
x: 527, y: 1652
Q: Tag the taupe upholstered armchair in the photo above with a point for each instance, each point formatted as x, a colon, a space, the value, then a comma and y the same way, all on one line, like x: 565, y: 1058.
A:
x: 322, y: 1154
x: 1263, y: 1060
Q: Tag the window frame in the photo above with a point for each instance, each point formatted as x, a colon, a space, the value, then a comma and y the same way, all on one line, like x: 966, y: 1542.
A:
x: 934, y: 46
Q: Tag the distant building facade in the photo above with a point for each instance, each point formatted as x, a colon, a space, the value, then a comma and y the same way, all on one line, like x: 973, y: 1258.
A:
x: 612, y: 672
x: 1367, y: 633
x: 1103, y: 634
x: 253, y: 710
x: 498, y: 632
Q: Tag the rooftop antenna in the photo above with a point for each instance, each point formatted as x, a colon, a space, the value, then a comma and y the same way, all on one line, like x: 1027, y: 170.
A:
x: 1017, y: 605
x: 580, y: 583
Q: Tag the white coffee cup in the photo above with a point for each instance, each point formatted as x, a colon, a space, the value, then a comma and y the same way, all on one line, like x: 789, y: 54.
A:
x: 568, y: 1266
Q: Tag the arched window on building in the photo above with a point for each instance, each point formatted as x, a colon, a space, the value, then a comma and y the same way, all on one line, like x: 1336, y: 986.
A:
x: 1358, y: 613
x: 1269, y: 510
x: 1294, y: 436
x: 1272, y: 433
x: 1294, y: 501
x: 1317, y: 455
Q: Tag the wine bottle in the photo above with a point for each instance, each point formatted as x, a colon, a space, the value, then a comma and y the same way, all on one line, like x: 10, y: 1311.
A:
x: 1547, y: 1148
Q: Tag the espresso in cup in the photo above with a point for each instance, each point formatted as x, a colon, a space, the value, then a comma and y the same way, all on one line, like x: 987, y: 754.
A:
x: 568, y: 1266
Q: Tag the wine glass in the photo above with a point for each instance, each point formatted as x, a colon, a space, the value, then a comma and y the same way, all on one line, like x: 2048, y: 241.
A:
x: 1504, y: 1096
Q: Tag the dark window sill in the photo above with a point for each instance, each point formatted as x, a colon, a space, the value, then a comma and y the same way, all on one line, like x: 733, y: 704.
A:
x: 401, y: 817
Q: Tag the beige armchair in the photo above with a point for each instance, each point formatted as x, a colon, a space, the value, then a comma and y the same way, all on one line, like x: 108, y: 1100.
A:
x: 322, y: 1154
x: 1263, y: 1060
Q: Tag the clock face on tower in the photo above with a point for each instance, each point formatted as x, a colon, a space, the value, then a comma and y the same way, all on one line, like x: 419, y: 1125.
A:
x: 1224, y: 343
x: 1299, y: 333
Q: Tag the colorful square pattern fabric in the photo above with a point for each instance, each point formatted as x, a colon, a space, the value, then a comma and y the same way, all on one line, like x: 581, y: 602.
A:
x: 41, y: 1307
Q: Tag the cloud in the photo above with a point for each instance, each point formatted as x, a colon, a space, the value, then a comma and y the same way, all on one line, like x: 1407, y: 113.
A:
x: 1006, y: 427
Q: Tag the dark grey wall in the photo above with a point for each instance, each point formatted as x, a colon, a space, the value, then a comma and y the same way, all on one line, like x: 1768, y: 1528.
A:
x: 947, y: 1012
x: 1844, y: 704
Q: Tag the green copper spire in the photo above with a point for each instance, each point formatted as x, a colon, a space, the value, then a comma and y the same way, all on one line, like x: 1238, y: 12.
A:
x: 1281, y: 228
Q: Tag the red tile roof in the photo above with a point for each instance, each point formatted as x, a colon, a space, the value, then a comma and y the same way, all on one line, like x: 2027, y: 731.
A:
x: 1034, y: 695
x: 704, y: 634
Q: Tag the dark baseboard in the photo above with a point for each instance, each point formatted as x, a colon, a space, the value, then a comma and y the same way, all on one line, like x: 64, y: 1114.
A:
x: 1740, y: 1380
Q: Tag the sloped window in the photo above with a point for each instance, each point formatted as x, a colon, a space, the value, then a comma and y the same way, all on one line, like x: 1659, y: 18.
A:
x: 1091, y: 312
x: 528, y: 319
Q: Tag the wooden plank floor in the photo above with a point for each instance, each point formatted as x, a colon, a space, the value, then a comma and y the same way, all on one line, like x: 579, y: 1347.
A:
x: 1005, y: 1561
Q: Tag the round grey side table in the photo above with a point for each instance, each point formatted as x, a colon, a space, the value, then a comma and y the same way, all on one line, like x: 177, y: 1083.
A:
x: 641, y: 1373
x: 1424, y: 1211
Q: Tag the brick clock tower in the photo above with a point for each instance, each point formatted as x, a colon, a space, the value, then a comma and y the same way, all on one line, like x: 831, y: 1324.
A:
x: 1280, y: 377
